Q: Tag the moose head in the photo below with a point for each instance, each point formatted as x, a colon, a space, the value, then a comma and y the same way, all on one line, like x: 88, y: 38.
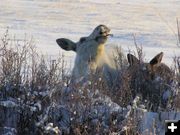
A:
x: 90, y: 52
x: 151, y: 79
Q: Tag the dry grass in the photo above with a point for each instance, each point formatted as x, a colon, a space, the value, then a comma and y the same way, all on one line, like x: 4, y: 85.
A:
x: 42, y: 90
x: 178, y: 31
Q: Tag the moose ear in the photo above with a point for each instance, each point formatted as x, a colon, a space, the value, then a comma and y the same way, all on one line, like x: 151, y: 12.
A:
x: 157, y: 59
x: 132, y: 59
x: 66, y: 44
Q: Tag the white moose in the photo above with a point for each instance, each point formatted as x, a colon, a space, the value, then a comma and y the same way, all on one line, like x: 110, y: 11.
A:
x: 90, y: 53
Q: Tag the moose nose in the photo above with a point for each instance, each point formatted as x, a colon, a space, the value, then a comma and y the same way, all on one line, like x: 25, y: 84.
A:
x: 108, y: 29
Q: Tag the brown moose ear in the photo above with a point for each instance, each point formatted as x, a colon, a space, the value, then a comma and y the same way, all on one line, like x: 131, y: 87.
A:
x: 66, y: 44
x: 157, y: 59
x: 132, y: 59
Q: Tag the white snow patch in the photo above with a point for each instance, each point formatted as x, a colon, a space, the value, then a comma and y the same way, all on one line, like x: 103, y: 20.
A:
x: 8, y: 103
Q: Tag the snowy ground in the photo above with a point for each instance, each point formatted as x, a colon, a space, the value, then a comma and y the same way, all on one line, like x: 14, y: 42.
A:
x: 153, y: 22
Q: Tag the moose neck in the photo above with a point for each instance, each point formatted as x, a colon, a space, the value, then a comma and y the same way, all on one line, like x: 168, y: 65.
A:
x: 99, y: 53
x: 100, y: 50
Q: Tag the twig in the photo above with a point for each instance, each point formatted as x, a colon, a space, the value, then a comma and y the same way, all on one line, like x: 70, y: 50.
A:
x: 178, y: 30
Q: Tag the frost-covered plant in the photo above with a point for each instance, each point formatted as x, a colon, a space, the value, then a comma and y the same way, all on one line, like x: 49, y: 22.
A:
x: 37, y: 97
x: 27, y: 80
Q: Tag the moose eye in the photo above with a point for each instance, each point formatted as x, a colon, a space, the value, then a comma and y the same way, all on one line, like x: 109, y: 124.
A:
x: 82, y: 39
x: 100, y: 32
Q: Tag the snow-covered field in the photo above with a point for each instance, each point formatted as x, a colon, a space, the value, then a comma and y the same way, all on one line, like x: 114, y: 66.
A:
x: 153, y: 22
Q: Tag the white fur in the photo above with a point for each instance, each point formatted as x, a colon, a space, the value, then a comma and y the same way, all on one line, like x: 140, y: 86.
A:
x: 90, y: 53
